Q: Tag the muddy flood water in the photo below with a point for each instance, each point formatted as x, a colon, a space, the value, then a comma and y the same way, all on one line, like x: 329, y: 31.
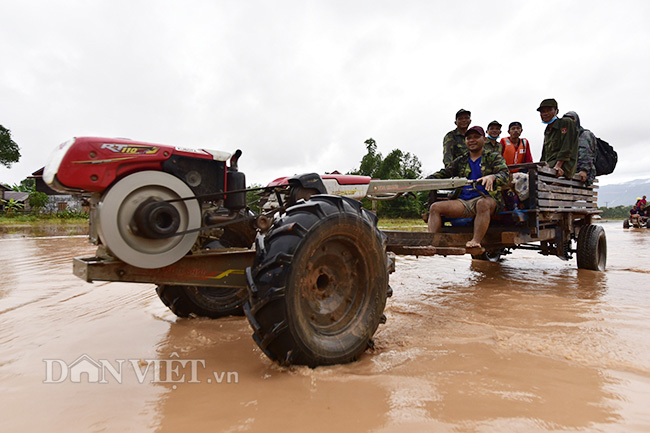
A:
x: 530, y: 344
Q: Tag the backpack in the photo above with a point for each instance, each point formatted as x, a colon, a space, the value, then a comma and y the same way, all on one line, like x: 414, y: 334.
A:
x: 606, y: 157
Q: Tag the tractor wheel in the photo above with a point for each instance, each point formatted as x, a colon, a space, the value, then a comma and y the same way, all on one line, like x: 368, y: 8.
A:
x: 592, y: 248
x: 490, y: 255
x: 202, y: 301
x: 319, y: 283
x: 212, y: 302
x: 626, y: 224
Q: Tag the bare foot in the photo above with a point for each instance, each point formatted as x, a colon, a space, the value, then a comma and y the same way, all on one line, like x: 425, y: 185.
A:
x: 472, y: 244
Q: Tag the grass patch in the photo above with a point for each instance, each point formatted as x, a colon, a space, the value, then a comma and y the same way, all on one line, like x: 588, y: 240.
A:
x: 406, y: 224
x: 40, y: 219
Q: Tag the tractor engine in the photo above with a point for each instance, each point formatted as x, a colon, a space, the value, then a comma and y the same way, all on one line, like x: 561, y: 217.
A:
x: 151, y: 204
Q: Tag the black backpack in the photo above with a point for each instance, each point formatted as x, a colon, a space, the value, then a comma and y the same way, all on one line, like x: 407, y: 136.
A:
x: 606, y: 157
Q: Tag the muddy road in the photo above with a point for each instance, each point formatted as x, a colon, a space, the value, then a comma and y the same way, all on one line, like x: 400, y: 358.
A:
x: 530, y: 344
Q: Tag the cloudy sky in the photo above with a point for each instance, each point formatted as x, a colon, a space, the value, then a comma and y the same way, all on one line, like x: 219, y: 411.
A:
x: 299, y: 85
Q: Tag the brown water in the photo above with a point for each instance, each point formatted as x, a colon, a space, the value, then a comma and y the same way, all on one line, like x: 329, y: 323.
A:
x: 527, y: 345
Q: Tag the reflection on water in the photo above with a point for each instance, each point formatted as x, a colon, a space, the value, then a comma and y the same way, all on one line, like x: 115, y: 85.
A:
x: 17, y: 231
x: 528, y: 344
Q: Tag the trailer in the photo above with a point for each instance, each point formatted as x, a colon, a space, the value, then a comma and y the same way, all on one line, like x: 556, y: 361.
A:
x: 557, y: 219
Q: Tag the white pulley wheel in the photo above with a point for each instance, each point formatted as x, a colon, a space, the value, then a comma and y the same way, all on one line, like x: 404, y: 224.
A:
x: 118, y: 206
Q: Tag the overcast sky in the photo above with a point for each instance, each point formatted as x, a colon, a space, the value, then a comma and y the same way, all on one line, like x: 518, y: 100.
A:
x: 300, y: 85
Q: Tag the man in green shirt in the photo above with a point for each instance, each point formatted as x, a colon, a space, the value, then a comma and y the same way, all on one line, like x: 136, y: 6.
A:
x: 453, y: 145
x: 493, y: 133
x: 490, y: 172
x: 560, y: 140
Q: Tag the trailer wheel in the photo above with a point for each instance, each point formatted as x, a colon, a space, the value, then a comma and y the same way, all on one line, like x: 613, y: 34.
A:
x: 202, y: 301
x: 490, y: 255
x: 626, y: 224
x: 319, y: 283
x: 592, y: 248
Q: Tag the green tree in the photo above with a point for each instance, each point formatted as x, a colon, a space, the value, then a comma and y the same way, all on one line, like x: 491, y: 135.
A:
x: 397, y: 165
x: 615, y: 213
x: 38, y: 200
x: 253, y: 198
x: 12, y: 205
x: 9, y: 150
x: 370, y: 160
x: 25, y: 185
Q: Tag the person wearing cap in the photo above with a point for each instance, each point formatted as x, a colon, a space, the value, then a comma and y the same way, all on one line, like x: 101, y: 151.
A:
x: 489, y: 170
x: 586, y: 167
x: 516, y: 149
x: 453, y: 145
x: 560, y: 147
x: 493, y: 133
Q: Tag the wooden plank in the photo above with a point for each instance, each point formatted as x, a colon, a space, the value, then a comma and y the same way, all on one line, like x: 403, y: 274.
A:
x: 566, y: 189
x: 554, y: 180
x: 568, y: 209
x: 565, y: 204
x: 569, y: 197
x: 529, y: 165
x: 551, y: 172
x: 430, y: 250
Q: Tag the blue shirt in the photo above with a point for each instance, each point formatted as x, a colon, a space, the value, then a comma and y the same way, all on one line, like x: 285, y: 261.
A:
x: 468, y: 191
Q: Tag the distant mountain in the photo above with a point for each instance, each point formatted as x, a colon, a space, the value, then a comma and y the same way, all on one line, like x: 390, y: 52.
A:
x: 624, y: 194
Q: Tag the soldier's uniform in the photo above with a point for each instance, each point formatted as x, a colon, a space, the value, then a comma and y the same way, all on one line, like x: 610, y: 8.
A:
x: 586, y: 149
x: 491, y: 163
x: 560, y: 142
x: 453, y: 146
x: 492, y: 146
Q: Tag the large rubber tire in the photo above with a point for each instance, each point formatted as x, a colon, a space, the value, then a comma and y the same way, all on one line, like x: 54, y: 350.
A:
x: 592, y: 248
x: 319, y: 283
x: 626, y: 224
x: 201, y: 301
x: 212, y: 302
x: 490, y: 256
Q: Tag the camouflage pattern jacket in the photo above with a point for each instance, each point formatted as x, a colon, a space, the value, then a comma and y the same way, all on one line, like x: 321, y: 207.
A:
x: 492, y: 146
x: 491, y: 163
x: 453, y: 146
x: 587, y: 154
x: 561, y: 144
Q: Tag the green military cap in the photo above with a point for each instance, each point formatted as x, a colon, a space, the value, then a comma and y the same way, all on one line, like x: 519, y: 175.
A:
x: 547, y: 103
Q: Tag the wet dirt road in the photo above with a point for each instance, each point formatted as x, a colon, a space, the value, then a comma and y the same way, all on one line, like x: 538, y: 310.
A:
x: 530, y: 344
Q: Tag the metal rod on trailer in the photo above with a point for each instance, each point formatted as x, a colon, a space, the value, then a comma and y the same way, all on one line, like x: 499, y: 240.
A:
x: 379, y: 188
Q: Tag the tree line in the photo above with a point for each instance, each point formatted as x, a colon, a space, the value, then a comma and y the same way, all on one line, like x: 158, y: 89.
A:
x: 396, y: 165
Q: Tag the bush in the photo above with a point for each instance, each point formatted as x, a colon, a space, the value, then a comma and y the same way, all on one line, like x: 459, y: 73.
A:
x: 71, y: 214
x: 38, y: 200
x: 615, y: 213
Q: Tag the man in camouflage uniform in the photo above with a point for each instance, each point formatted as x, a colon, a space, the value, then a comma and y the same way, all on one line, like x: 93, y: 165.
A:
x: 493, y: 133
x: 490, y: 171
x: 560, y: 140
x: 586, y: 151
x: 453, y: 145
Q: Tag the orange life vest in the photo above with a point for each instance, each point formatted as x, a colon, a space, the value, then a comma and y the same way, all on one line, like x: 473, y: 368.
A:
x: 512, y: 154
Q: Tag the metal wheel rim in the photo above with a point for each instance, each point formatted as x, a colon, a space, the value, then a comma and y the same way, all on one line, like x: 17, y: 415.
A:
x: 333, y: 286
